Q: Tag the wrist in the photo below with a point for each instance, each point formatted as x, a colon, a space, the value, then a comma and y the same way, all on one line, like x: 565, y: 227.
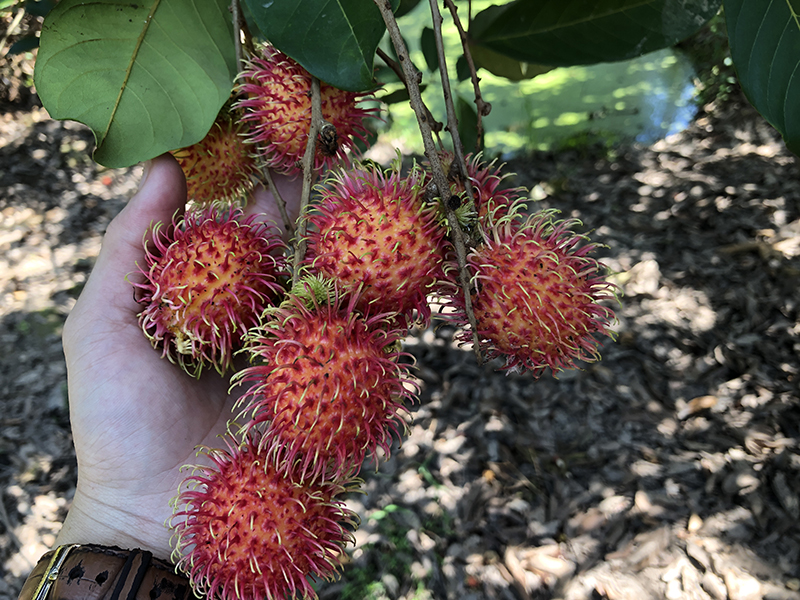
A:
x: 81, y: 572
x: 93, y: 522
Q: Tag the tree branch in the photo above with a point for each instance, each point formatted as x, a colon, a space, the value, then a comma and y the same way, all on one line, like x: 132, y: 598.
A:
x: 238, y: 19
x: 436, y: 126
x: 483, y: 107
x: 308, y: 176
x: 413, y: 78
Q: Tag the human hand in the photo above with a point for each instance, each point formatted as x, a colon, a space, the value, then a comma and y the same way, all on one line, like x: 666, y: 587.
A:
x: 136, y: 418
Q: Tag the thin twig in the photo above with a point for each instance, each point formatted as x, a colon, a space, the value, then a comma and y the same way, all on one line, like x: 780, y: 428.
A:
x: 308, y: 175
x: 279, y: 201
x: 452, y: 120
x: 392, y: 64
x: 248, y: 38
x: 238, y: 19
x: 12, y: 28
x: 413, y: 77
x: 483, y: 107
x: 436, y: 126
x: 458, y: 148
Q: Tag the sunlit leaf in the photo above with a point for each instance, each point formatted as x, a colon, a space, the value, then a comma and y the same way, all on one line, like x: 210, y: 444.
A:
x: 146, y: 78
x: 765, y: 48
x: 579, y: 32
x: 335, y: 40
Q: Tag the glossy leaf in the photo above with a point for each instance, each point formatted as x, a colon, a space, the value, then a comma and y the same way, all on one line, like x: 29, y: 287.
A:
x: 146, y: 78
x: 581, y: 32
x: 765, y: 47
x: 335, y: 40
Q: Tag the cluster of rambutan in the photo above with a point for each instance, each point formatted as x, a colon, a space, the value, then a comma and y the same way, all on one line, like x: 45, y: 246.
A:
x: 327, y: 381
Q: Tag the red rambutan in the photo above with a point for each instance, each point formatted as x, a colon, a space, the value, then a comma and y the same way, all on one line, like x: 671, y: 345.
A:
x: 276, y: 99
x: 206, y: 281
x: 538, y: 294
x: 245, y: 531
x: 220, y: 166
x: 372, y: 231
x: 329, y: 388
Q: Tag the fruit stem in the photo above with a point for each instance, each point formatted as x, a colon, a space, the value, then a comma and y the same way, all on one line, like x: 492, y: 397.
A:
x: 484, y: 108
x: 236, y: 12
x: 308, y: 176
x: 412, y: 80
x: 452, y: 120
x: 280, y: 202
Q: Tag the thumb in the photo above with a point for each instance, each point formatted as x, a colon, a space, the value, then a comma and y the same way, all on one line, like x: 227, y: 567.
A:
x: 162, y: 193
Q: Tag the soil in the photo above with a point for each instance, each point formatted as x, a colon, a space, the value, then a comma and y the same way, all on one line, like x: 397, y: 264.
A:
x: 667, y: 470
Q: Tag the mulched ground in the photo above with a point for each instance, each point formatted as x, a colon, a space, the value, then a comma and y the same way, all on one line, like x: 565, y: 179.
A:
x: 667, y: 470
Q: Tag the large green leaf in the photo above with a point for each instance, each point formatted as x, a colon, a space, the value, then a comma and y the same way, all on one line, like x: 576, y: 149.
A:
x: 334, y: 40
x: 581, y: 32
x: 765, y: 47
x: 147, y: 77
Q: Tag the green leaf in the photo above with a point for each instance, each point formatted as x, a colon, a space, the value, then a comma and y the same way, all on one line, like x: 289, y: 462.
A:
x: 504, y: 66
x: 405, y: 7
x: 467, y: 117
x: 582, y: 32
x: 334, y: 40
x: 427, y: 43
x: 24, y: 44
x: 147, y: 78
x: 462, y: 69
x: 765, y: 48
x: 400, y: 95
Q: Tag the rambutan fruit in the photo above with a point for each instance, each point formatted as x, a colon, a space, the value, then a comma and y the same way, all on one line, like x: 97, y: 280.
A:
x: 276, y: 100
x: 220, y: 167
x: 373, y: 232
x: 207, y: 279
x: 537, y: 295
x: 245, y: 531
x: 329, y: 389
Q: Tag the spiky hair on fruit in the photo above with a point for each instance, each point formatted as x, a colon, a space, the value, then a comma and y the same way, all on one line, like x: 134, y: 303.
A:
x: 221, y: 166
x: 329, y: 386
x: 206, y: 279
x: 373, y: 231
x: 243, y: 530
x: 276, y: 101
x: 537, y: 295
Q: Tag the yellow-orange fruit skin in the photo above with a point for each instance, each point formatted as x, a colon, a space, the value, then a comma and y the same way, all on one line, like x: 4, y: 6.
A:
x: 206, y: 280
